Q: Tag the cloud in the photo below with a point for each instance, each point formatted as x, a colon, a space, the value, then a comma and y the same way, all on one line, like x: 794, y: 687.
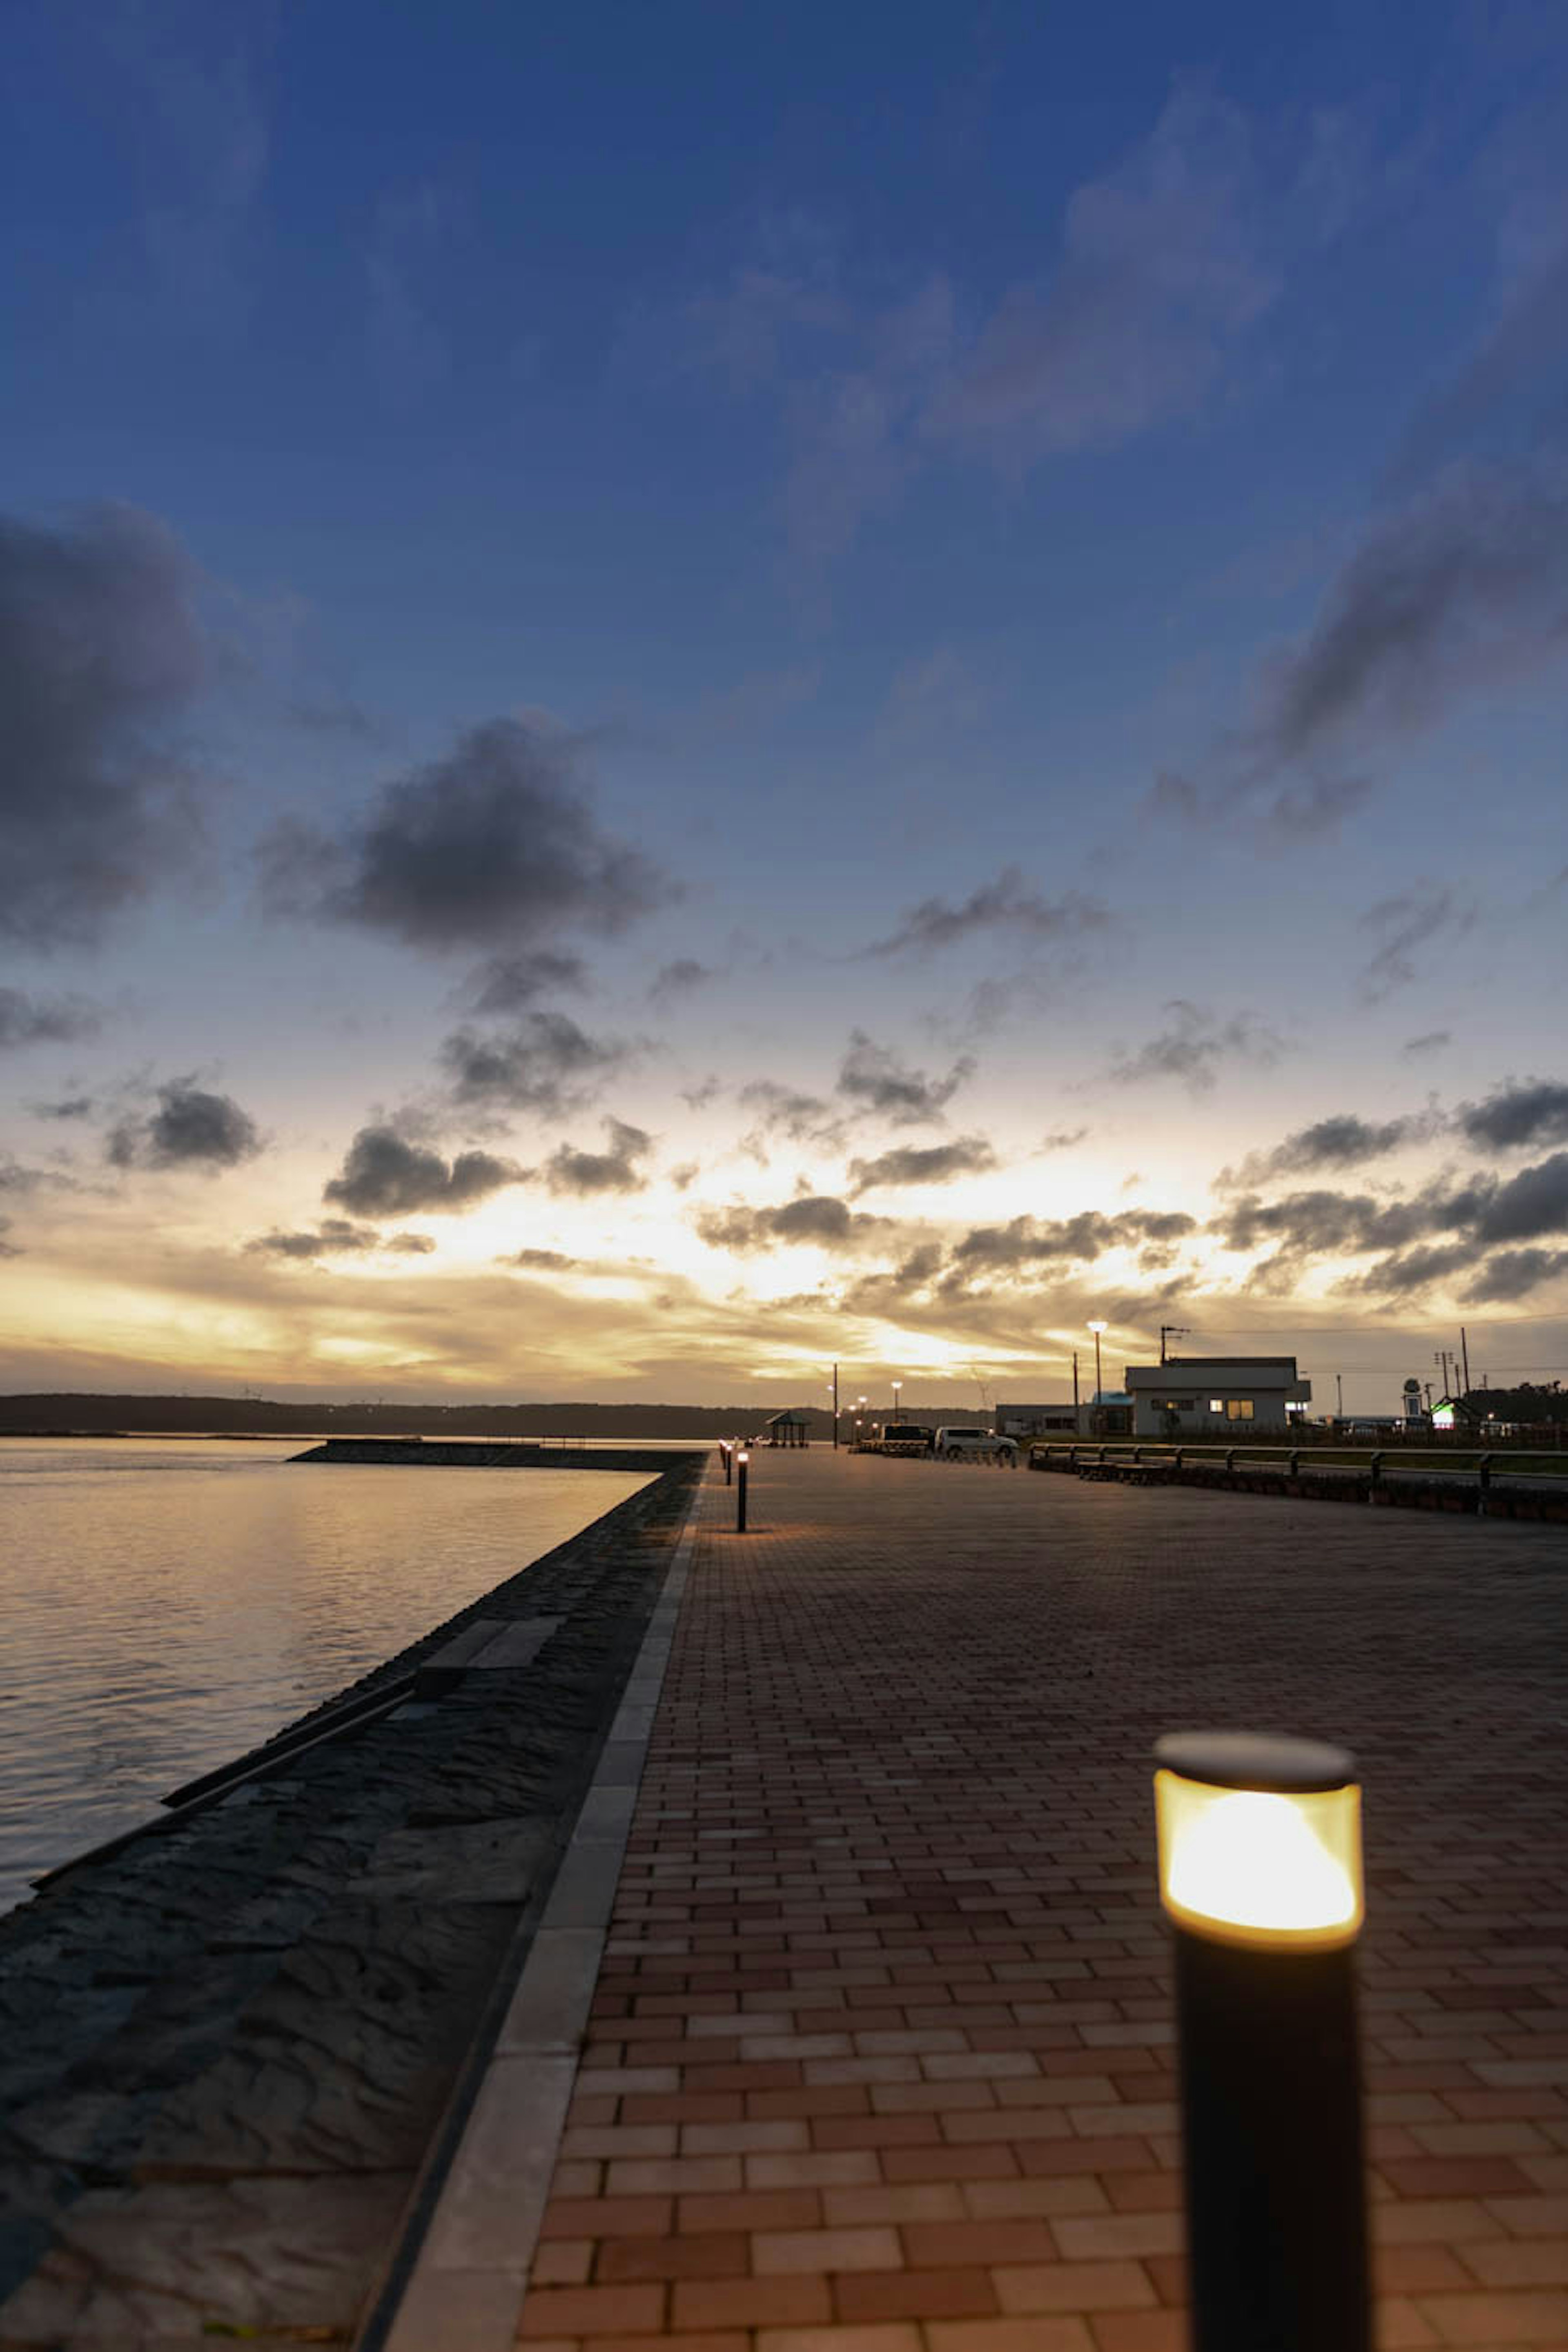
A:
x: 70, y: 1107
x: 546, y: 1064
x: 1460, y: 589
x: 614, y: 1170
x: 1517, y: 1115
x: 875, y: 1080
x: 383, y: 1175
x: 1163, y: 270
x: 1024, y: 1241
x: 1343, y: 1140
x: 102, y: 655
x: 1513, y: 1274
x: 784, y: 1110
x: 813, y: 1219
x: 1194, y: 1046
x: 336, y: 1236
x: 505, y: 983
x: 678, y: 978
x: 1420, y: 1240
x: 540, y: 1261
x: 493, y: 845
x: 940, y: 1163
x: 1430, y: 1042
x: 1007, y: 904
x: 1401, y: 925
x: 190, y: 1128
x: 38, y: 1020
x: 1062, y: 1139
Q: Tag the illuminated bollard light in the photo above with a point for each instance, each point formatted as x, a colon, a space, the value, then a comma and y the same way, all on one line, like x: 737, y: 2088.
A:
x: 728, y: 1451
x: 1261, y: 1876
x: 742, y: 1459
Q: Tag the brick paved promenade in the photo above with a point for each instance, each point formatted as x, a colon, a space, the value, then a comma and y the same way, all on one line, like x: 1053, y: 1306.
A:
x: 880, y: 2058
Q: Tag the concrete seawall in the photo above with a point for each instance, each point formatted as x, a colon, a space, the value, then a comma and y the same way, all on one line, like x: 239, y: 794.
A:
x: 228, y: 2044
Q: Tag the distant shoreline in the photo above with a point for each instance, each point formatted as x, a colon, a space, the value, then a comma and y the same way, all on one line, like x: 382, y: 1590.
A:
x: 67, y: 1413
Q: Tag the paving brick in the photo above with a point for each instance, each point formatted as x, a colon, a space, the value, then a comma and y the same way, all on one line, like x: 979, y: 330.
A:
x: 885, y: 1959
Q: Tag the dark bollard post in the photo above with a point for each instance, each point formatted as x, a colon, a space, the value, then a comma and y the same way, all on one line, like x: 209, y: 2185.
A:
x: 1374, y: 1469
x: 1295, y: 1465
x: 728, y: 1451
x: 1484, y: 1471
x: 742, y: 1459
x: 1260, y: 1879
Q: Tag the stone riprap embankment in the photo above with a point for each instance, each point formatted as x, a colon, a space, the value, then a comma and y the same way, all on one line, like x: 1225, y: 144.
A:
x: 226, y: 2046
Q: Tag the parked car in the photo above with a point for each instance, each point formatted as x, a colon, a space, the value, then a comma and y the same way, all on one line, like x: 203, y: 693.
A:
x: 975, y: 1446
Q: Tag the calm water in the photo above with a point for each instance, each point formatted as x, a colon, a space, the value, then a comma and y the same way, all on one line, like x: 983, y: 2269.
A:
x: 167, y: 1603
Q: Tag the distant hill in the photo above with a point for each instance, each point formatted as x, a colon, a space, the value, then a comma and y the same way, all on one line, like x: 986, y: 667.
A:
x: 90, y: 1416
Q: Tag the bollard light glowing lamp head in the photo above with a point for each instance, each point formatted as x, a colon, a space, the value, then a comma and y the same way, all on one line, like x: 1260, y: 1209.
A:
x: 743, y: 1455
x: 1259, y: 1840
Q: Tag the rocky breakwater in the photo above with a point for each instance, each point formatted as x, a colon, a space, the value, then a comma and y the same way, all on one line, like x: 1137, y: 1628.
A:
x: 229, y: 2045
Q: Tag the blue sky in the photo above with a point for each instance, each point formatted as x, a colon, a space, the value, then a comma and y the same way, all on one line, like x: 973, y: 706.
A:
x: 1034, y: 540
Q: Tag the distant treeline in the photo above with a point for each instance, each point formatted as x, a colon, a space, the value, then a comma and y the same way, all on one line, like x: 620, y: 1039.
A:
x: 91, y: 1416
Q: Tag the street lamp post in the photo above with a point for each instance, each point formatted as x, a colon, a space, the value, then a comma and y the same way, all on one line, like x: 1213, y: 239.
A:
x: 1260, y: 1878
x: 1096, y: 1327
x: 898, y: 1386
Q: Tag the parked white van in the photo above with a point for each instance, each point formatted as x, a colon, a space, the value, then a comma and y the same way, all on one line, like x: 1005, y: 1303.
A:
x: 975, y: 1445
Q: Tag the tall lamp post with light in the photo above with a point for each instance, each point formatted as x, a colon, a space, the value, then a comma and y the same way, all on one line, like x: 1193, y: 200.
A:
x: 1260, y: 1879
x: 898, y: 1386
x: 1096, y: 1327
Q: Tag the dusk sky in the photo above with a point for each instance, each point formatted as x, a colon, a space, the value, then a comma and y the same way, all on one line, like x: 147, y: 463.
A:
x: 686, y: 690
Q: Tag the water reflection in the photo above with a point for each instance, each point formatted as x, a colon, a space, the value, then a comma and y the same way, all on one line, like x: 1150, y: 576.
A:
x: 168, y: 1602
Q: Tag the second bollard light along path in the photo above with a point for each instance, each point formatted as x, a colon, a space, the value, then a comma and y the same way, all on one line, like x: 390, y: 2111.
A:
x: 742, y: 1460
x: 1261, y: 1876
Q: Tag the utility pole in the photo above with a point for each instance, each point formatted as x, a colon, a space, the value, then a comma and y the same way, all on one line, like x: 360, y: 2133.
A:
x: 1171, y: 1332
x: 1339, y: 1396
x: 1465, y: 1357
x: 835, y: 1408
x: 1077, y: 1418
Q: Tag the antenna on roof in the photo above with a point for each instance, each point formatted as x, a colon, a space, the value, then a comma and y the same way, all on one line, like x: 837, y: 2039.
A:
x: 1173, y: 1331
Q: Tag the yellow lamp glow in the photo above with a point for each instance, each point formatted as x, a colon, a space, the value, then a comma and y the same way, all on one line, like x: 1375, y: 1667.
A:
x: 1259, y: 1841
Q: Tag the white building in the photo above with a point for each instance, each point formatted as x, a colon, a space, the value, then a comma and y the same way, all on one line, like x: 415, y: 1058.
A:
x: 1215, y: 1398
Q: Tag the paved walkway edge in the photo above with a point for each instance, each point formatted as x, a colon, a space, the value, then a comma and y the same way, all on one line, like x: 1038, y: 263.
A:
x: 465, y: 2291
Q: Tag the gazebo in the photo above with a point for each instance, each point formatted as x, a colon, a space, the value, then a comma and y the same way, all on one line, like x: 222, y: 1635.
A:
x: 787, y: 1428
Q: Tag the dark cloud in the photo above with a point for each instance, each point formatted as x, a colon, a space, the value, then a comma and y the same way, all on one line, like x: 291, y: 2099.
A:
x: 875, y: 1080
x: 1340, y: 1142
x: 1008, y: 904
x: 505, y: 983
x: 677, y: 980
x: 190, y: 1128
x: 1513, y: 1274
x: 940, y: 1163
x: 1401, y: 925
x: 817, y: 1220
x: 43, y: 1021
x: 1535, y: 1202
x: 784, y: 1110
x: 1435, y: 1233
x: 614, y: 1170
x: 545, y: 1062
x: 70, y: 1107
x: 1462, y: 588
x: 1027, y: 1240
x: 1428, y: 1043
x: 494, y: 846
x: 540, y: 1261
x: 101, y: 655
x: 334, y: 1237
x: 384, y: 1175
x: 1062, y: 1139
x: 1518, y: 1115
x: 1194, y: 1046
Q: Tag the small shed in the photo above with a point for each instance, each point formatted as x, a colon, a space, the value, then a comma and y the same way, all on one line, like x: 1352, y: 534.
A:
x: 787, y: 1428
